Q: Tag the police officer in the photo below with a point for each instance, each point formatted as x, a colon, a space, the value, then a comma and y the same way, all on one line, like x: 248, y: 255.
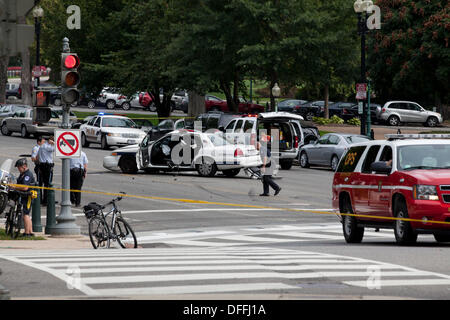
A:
x: 78, y: 171
x: 34, y: 157
x: 46, y: 164
x: 25, y: 178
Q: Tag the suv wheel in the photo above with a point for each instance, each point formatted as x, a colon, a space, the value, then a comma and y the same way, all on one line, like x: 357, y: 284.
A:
x: 394, y: 121
x: 432, y: 122
x: 404, y: 234
x: 334, y: 163
x: 286, y: 164
x: 5, y: 130
x: 126, y: 106
x: 24, y: 132
x: 207, y: 168
x: 304, y: 163
x: 128, y: 164
x: 91, y: 104
x: 84, y: 142
x: 352, y: 233
x: 110, y: 104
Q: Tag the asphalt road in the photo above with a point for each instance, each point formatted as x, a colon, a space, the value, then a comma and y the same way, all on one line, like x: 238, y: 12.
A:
x: 219, y: 222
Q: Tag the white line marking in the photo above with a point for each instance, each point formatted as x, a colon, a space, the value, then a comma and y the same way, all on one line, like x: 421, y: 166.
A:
x: 409, y: 282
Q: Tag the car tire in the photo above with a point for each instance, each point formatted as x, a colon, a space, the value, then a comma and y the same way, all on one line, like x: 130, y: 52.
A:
x: 57, y: 102
x: 91, y: 104
x: 286, y: 164
x: 404, y: 234
x: 207, y: 167
x: 309, y: 116
x: 126, y: 106
x: 304, y: 162
x: 352, y: 233
x: 110, y: 104
x: 5, y: 130
x: 128, y: 164
x: 104, y: 143
x: 334, y: 162
x: 442, y: 237
x: 24, y: 132
x: 84, y: 142
x: 394, y: 121
x: 432, y: 122
x: 152, y: 107
x: 231, y: 173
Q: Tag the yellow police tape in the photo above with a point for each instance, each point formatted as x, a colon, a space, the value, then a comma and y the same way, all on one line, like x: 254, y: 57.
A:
x: 232, y: 204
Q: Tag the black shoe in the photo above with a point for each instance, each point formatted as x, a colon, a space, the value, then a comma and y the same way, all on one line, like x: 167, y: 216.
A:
x: 263, y: 195
x: 278, y: 191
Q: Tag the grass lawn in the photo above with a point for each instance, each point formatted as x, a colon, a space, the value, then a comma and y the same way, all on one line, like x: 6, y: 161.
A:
x: 4, y: 236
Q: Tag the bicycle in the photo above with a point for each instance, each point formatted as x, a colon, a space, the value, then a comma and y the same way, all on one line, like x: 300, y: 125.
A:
x: 101, y: 234
x: 14, y: 217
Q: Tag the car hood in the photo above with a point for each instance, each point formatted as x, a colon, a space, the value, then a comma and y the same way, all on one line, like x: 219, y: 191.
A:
x: 431, y: 177
x: 122, y: 130
x: 432, y: 113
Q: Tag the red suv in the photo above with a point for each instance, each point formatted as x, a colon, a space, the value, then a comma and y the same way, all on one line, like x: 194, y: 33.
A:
x: 401, y: 183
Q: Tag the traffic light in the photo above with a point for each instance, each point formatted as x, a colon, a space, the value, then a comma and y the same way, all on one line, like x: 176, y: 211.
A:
x: 41, y: 101
x: 70, y: 78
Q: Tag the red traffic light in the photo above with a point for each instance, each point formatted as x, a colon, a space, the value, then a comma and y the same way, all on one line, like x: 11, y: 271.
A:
x: 71, y: 62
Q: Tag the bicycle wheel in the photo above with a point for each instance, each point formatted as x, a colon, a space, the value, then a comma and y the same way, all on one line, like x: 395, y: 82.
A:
x: 9, y: 222
x: 17, y: 223
x: 125, y: 235
x: 98, y: 233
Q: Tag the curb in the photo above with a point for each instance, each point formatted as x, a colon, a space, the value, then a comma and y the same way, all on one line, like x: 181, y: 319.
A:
x: 4, y: 293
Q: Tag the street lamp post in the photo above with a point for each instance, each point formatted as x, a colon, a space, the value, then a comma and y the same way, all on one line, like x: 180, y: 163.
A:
x: 38, y: 13
x: 361, y: 8
x: 276, y: 93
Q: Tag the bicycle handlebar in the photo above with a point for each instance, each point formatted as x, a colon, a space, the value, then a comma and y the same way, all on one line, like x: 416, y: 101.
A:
x: 113, y: 201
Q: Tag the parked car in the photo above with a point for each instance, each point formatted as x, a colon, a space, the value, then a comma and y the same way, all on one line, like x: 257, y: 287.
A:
x: 319, y: 104
x: 245, y: 130
x: 78, y: 124
x: 328, y: 150
x: 341, y: 109
x: 164, y: 127
x: 375, y: 109
x: 143, y: 124
x: 8, y: 110
x: 22, y: 122
x: 139, y: 100
x: 405, y: 177
x: 300, y: 107
x: 214, y: 120
x: 109, y: 130
x: 396, y: 112
x: 111, y: 97
x: 310, y: 132
x: 13, y: 90
x: 207, y: 153
x: 213, y: 103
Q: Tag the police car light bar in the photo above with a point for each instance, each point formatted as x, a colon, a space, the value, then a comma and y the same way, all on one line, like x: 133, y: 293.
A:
x: 391, y: 137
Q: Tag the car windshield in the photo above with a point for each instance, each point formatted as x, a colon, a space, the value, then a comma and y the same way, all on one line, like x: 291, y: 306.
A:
x: 217, y: 139
x: 431, y: 156
x: 356, y: 139
x: 118, y: 123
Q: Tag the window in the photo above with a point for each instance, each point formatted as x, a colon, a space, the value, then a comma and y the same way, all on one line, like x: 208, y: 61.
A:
x: 370, y: 158
x: 213, y: 122
x: 333, y: 139
x: 248, y: 125
x: 91, y: 122
x: 395, y: 106
x: 230, y: 126
x: 356, y: 139
x: 97, y: 122
x: 350, y: 160
x: 166, y: 124
x: 323, y: 140
x: 431, y: 156
x: 180, y: 125
x: 238, y: 126
x: 414, y: 107
x: 386, y: 155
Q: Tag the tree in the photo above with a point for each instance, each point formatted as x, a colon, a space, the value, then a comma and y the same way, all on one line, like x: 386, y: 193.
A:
x: 410, y: 57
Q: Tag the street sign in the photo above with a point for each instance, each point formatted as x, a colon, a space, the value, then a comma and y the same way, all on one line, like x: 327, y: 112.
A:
x: 37, y: 71
x: 361, y: 91
x: 67, y: 144
x: 360, y: 107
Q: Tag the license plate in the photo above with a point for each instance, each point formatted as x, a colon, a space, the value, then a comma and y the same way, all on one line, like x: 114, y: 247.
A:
x: 131, y: 141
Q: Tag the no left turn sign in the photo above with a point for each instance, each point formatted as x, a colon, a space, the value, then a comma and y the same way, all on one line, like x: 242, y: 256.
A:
x: 67, y: 144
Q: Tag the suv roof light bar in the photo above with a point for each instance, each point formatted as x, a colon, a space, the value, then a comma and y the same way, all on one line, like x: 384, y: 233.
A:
x: 391, y: 137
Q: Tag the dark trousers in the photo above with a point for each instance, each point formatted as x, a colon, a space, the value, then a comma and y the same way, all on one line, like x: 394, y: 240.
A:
x: 76, y: 182
x: 46, y: 175
x: 37, y: 171
x: 267, y: 181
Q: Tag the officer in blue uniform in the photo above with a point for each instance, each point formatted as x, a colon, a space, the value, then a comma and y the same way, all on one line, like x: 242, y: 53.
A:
x: 25, y: 178
x: 46, y: 164
x: 78, y: 171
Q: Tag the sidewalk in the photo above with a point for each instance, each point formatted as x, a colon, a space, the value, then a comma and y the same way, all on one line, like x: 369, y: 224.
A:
x: 50, y: 243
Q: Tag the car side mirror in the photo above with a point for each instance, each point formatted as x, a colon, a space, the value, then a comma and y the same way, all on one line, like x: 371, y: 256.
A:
x: 222, y: 129
x: 380, y: 167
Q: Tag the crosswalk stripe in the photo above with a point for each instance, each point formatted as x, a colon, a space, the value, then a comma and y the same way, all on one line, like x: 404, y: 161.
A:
x: 402, y: 282
x: 307, y: 235
x: 240, y: 287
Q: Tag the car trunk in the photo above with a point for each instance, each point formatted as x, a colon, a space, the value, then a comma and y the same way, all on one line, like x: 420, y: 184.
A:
x: 286, y: 136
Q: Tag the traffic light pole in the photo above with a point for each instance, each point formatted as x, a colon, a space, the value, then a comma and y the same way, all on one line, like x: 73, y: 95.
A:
x: 65, y: 221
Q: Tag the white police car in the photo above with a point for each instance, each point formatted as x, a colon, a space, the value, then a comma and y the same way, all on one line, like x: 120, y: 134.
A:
x: 110, y: 130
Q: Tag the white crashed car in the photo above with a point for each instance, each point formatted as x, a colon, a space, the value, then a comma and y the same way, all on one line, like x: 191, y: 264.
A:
x: 186, y: 150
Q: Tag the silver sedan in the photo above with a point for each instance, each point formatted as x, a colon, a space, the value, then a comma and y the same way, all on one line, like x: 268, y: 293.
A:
x: 328, y: 150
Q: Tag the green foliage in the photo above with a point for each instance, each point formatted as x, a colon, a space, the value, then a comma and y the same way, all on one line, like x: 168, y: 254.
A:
x: 323, y: 121
x: 354, y: 122
x: 335, y: 119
